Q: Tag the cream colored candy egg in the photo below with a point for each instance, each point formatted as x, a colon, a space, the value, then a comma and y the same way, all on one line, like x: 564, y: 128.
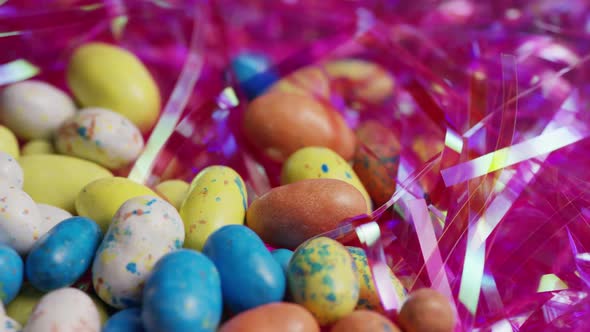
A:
x: 10, y: 171
x: 19, y: 219
x: 38, y: 146
x: 64, y: 310
x: 8, y: 142
x: 34, y: 109
x: 143, y: 230
x: 102, y: 136
x: 51, y: 216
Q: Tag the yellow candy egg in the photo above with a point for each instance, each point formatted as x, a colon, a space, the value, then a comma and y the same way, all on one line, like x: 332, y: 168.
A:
x: 174, y: 191
x: 21, y: 307
x: 100, y: 199
x: 320, y: 162
x: 322, y: 278
x: 56, y: 180
x: 104, y: 75
x: 8, y: 142
x: 217, y: 198
x: 38, y: 146
x: 101, y: 307
x: 367, y: 80
x: 368, y: 297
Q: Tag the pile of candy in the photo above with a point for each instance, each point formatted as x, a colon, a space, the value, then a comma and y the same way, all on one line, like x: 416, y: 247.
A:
x: 369, y: 166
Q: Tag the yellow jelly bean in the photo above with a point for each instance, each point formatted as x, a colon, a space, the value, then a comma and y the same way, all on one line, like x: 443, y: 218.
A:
x: 38, y: 147
x: 174, y: 191
x: 317, y: 163
x: 8, y: 142
x: 100, y: 199
x: 217, y: 198
x: 56, y: 180
x: 103, y: 75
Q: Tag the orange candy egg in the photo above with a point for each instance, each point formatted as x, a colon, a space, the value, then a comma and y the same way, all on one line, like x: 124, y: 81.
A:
x: 364, y: 321
x: 284, y: 317
x: 427, y: 310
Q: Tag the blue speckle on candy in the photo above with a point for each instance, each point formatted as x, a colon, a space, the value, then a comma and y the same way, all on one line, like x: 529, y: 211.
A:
x: 325, y: 168
x: 132, y: 267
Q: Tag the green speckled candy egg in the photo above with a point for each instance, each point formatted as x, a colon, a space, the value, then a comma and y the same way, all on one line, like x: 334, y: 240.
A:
x: 322, y: 278
x: 368, y: 297
x: 318, y: 162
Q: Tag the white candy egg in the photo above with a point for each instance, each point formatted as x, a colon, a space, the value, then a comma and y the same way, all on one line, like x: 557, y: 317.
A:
x: 10, y: 171
x: 51, y: 216
x: 19, y: 219
x: 102, y: 136
x: 10, y: 325
x: 144, y: 229
x: 64, y: 310
x: 34, y: 109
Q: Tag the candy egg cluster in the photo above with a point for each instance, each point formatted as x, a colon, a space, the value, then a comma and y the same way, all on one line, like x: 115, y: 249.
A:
x: 83, y: 248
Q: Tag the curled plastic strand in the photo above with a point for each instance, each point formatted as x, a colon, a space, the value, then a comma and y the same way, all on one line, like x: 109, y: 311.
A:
x: 171, y: 113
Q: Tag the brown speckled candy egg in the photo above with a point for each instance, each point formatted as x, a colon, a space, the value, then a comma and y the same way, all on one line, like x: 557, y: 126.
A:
x: 364, y: 321
x: 281, y: 123
x: 427, y: 310
x: 288, y: 215
x: 284, y: 317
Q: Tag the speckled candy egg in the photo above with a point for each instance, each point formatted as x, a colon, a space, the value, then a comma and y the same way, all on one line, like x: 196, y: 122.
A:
x: 217, y: 197
x: 182, y: 294
x: 10, y: 325
x: 322, y: 278
x: 64, y: 310
x: 51, y: 216
x: 62, y: 255
x: 250, y: 277
x: 10, y: 171
x: 19, y: 219
x: 144, y: 229
x: 102, y: 136
x: 319, y: 162
x: 368, y: 296
x: 34, y: 109
x: 128, y: 320
x: 11, y: 278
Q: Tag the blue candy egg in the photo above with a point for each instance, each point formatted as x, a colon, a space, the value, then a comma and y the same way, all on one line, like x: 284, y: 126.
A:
x: 11, y: 273
x: 128, y: 320
x: 253, y: 74
x: 63, y: 254
x: 183, y: 293
x: 282, y: 256
x: 250, y: 277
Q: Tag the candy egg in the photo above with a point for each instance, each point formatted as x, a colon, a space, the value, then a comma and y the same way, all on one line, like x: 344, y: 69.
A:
x: 307, y: 81
x: 128, y: 320
x: 38, y: 146
x: 368, y: 296
x: 322, y: 278
x: 51, y: 216
x: 103, y: 75
x: 64, y: 310
x: 21, y: 307
x: 34, y: 109
x: 217, y: 197
x: 62, y: 255
x: 56, y: 180
x: 282, y: 256
x: 10, y: 171
x: 101, y: 307
x: 427, y: 310
x: 364, y: 321
x: 253, y: 74
x: 288, y: 215
x: 285, y: 317
x: 11, y: 277
x: 377, y: 163
x: 19, y: 219
x: 359, y: 80
x: 10, y: 325
x: 102, y: 136
x: 281, y: 123
x: 315, y: 162
x: 183, y: 293
x: 144, y: 229
x: 99, y: 200
x: 8, y: 142
x: 174, y: 191
x: 250, y: 277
